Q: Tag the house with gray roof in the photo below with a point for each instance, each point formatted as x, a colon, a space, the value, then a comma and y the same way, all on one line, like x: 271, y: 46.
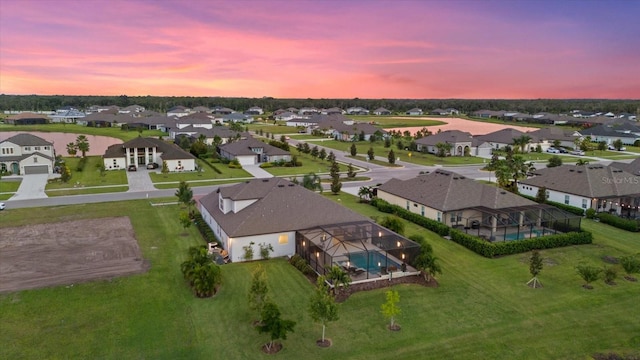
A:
x: 460, y: 141
x: 142, y: 151
x: 598, y: 187
x: 632, y: 167
x: 414, y: 112
x: 357, y: 110
x: 200, y: 119
x: 501, y: 138
x: 224, y: 133
x: 624, y: 130
x: 70, y: 116
x: 457, y: 201
x: 293, y: 220
x: 381, y: 111
x: 251, y: 151
x: 254, y: 110
x: 545, y: 137
x: 233, y: 117
x: 179, y: 111
x: 27, y: 118
x: 25, y: 154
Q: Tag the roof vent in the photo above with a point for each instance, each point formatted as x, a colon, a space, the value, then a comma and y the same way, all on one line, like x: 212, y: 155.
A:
x: 571, y: 170
x: 462, y: 177
x: 503, y: 192
x: 580, y: 171
x: 265, y: 180
x: 455, y: 178
x: 281, y: 185
x: 291, y: 185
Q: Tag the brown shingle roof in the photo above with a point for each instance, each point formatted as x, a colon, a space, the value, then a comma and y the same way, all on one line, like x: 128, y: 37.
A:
x: 280, y: 206
x: 596, y: 181
x: 28, y: 140
x: 447, y: 191
x: 243, y: 147
x: 449, y: 136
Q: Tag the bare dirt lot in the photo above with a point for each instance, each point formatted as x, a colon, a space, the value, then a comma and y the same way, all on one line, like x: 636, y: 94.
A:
x: 68, y: 252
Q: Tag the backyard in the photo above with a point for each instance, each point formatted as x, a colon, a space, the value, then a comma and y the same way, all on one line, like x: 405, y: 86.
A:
x: 482, y: 308
x: 115, y: 132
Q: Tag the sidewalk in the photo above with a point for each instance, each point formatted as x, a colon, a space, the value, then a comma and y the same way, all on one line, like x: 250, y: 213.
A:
x: 256, y: 171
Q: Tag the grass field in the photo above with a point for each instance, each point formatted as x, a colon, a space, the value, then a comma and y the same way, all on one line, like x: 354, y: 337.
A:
x: 88, y: 177
x: 115, y: 132
x: 482, y: 309
x: 193, y: 176
x: 8, y: 188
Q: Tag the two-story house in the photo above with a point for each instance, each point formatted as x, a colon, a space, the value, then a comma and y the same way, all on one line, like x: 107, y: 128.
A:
x: 25, y: 154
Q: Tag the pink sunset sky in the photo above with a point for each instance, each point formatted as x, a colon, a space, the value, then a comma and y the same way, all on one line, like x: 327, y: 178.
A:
x: 322, y: 49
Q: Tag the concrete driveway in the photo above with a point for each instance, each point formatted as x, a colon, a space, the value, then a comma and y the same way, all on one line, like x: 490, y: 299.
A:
x: 31, y: 187
x: 256, y: 171
x: 140, y: 180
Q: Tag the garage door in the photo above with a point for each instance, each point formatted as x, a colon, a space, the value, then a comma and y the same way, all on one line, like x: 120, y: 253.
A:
x: 38, y: 169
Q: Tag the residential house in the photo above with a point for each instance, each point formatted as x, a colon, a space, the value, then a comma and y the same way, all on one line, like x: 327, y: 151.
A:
x: 485, y: 210
x: 70, y: 116
x: 254, y: 110
x: 203, y: 120
x: 179, y: 111
x: 233, y: 117
x: 307, y: 111
x: 332, y: 111
x: 381, y: 111
x: 132, y: 109
x: 598, y: 187
x: 414, y: 112
x: 632, y: 167
x: 143, y: 151
x: 357, y: 110
x: 251, y: 151
x: 460, y: 141
x: 545, y: 137
x: 25, y: 154
x: 620, y: 129
x: 286, y: 116
x: 221, y: 110
x: 444, y: 112
x: 293, y: 220
x: 222, y: 132
x: 99, y: 108
x: 27, y: 118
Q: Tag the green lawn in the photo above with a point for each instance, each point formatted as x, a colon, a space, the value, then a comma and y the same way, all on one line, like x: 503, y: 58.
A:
x: 613, y: 155
x: 115, y: 132
x: 193, y: 176
x: 481, y: 310
x: 89, y: 177
x: 8, y: 188
x: 309, y: 165
x: 398, y: 121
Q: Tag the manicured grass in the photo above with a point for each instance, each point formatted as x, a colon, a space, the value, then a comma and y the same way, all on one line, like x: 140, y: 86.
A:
x: 309, y: 165
x: 90, y: 175
x: 482, y: 308
x: 609, y: 154
x: 207, y: 174
x: 89, y: 190
x: 398, y: 121
x: 115, y: 132
x: 195, y: 183
x: 270, y: 128
x: 8, y: 188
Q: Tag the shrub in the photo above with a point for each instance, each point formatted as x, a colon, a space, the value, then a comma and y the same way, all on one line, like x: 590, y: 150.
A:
x: 588, y: 273
x: 435, y: 226
x: 81, y: 164
x: 591, y: 213
x: 301, y: 264
x: 620, y: 223
x: 610, y: 275
x: 207, y: 234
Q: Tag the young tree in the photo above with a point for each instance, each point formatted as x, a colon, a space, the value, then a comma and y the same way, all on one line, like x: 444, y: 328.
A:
x: 522, y: 141
x: 365, y: 193
x: 426, y: 262
x: 602, y: 146
x: 631, y: 265
x: 351, y: 172
x: 185, y: 194
x: 610, y: 275
x: 617, y: 144
x: 554, y: 161
x: 387, y: 142
x: 185, y: 220
x: 265, y: 250
x: 535, y: 267
x: 371, y: 154
x: 336, y: 185
x: 353, y: 149
x: 72, y: 150
x: 444, y: 149
x: 541, y: 195
x: 248, y: 251
x: 65, y: 173
x: 312, y: 182
x: 322, y: 307
x: 258, y: 290
x: 315, y: 152
x: 323, y: 154
x: 306, y: 148
x: 82, y: 144
x: 331, y: 157
x: 589, y: 274
x: 390, y: 308
x: 201, y: 272
x: 392, y: 157
x: 273, y: 324
x: 165, y: 168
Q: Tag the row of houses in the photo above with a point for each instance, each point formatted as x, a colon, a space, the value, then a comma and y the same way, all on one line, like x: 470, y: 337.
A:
x: 578, y: 118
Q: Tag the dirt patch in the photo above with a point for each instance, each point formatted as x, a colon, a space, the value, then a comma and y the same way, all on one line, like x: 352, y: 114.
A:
x: 325, y: 344
x: 343, y: 294
x: 610, y: 259
x: 69, y: 252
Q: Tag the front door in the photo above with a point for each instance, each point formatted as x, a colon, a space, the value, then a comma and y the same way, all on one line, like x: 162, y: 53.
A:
x: 15, y: 169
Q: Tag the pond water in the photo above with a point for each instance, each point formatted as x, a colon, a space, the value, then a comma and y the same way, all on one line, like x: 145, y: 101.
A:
x: 97, y: 144
x: 473, y: 127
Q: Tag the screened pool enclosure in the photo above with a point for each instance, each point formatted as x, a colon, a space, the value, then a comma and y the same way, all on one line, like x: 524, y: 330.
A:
x: 364, y: 249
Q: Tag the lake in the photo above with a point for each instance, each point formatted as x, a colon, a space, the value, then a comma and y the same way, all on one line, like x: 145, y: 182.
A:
x: 473, y: 127
x: 97, y: 144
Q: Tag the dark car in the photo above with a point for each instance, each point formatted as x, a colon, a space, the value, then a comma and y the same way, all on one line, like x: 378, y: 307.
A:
x: 563, y: 150
x: 132, y: 168
x: 475, y: 224
x: 152, y: 166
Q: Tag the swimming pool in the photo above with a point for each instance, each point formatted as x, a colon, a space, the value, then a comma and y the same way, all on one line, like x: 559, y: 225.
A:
x: 370, y: 262
x: 524, y: 235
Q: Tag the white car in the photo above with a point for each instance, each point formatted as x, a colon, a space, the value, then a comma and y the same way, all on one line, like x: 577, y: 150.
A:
x: 577, y: 152
x: 611, y: 147
x: 553, y: 150
x: 2, y: 206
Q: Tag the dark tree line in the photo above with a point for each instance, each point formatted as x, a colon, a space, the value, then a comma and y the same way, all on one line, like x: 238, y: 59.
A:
x: 163, y: 103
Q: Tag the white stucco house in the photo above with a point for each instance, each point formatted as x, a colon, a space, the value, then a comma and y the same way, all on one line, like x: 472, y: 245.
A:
x: 268, y: 211
x: 143, y: 151
x: 251, y: 151
x: 598, y: 187
x: 25, y: 154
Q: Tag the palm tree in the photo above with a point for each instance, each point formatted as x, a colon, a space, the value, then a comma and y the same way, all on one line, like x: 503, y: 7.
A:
x: 311, y: 181
x: 338, y: 277
x: 71, y: 149
x: 82, y: 143
x: 520, y: 170
x: 522, y: 141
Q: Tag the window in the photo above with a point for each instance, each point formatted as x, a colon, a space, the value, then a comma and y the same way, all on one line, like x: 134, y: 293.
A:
x: 439, y: 216
x: 453, y: 218
x: 422, y: 211
x: 407, y: 204
x: 46, y: 148
x: 37, y: 148
x: 221, y: 204
x: 547, y: 194
x: 283, y: 239
x: 27, y: 148
x: 584, y: 203
x: 566, y: 199
x: 35, y: 159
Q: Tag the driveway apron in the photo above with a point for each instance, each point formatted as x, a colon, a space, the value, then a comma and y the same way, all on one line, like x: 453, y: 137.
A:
x: 256, y: 171
x: 139, y: 180
x: 31, y: 187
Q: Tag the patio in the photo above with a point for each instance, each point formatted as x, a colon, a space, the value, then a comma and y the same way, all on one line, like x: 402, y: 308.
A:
x: 365, y: 250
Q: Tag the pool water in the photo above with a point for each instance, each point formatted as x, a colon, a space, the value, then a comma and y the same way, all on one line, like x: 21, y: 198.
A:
x: 370, y: 262
x: 524, y: 235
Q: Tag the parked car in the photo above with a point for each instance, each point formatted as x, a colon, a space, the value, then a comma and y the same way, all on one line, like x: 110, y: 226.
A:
x: 2, y: 206
x: 475, y: 224
x: 553, y: 150
x: 611, y: 147
x: 577, y: 152
x: 563, y: 150
x: 132, y: 168
x: 152, y: 166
